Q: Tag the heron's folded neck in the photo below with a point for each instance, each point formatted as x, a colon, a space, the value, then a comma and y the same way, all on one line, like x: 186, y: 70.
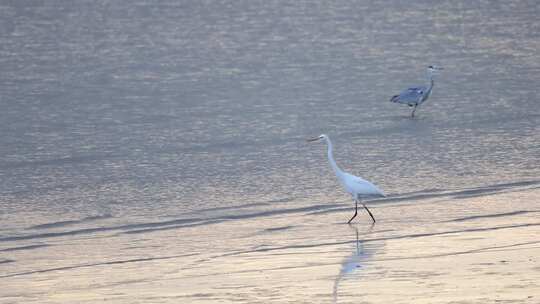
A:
x: 430, y: 80
x: 431, y: 83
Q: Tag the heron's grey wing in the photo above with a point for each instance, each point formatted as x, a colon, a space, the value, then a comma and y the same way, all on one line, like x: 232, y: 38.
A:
x: 410, y: 96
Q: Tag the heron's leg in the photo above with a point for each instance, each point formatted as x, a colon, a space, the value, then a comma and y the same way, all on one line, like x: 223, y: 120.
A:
x: 369, y: 213
x: 355, y: 211
x: 414, y: 110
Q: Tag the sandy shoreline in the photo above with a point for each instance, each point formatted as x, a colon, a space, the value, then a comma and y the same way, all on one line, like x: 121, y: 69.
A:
x: 155, y: 152
x: 476, y: 249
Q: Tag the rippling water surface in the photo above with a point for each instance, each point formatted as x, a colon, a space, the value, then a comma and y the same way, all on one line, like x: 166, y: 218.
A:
x: 131, y: 117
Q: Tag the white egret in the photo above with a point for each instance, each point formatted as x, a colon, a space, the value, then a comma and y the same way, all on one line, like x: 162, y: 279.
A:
x: 415, y: 96
x: 358, y: 187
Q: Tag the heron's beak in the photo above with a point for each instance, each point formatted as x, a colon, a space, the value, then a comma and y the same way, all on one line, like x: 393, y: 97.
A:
x: 313, y: 139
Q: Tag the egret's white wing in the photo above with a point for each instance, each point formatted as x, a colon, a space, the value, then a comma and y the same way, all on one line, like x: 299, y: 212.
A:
x: 361, y: 187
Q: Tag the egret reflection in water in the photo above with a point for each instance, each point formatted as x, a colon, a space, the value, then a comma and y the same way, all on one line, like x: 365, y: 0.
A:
x: 355, y: 262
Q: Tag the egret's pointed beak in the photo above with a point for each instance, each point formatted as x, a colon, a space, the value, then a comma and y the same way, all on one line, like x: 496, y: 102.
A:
x: 313, y: 139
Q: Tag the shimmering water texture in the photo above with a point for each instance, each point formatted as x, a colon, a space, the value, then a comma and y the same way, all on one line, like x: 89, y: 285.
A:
x: 155, y: 152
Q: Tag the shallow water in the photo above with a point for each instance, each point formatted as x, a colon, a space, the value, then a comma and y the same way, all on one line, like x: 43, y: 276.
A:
x: 132, y: 130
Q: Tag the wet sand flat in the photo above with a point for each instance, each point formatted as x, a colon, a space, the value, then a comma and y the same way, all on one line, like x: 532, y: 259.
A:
x: 155, y: 151
x: 476, y: 249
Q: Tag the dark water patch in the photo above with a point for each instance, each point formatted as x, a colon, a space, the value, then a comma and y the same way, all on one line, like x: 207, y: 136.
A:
x: 477, y: 193
x: 165, y: 225
x: 278, y: 229
x: 456, y: 253
x: 138, y: 260
x: 57, y: 234
x: 6, y: 261
x: 95, y: 230
x: 285, y: 248
x: 456, y: 194
x: 389, y: 238
x: 518, y: 184
x: 490, y: 189
x: 157, y: 224
x: 474, y: 217
x: 282, y: 200
x: 54, y: 224
x: 232, y: 217
x: 418, y: 235
x: 29, y: 247
x: 278, y: 212
x: 200, y: 221
x: 71, y: 222
x: 97, y: 217
x: 146, y: 230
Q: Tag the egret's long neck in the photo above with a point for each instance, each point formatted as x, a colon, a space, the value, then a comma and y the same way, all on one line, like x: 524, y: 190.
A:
x: 331, y: 160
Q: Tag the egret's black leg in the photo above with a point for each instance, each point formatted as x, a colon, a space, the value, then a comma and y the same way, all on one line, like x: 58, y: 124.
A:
x: 355, y: 211
x: 414, y: 110
x: 369, y: 213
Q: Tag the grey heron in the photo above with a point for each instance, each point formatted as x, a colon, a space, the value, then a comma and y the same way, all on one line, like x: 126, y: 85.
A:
x: 358, y: 187
x: 415, y: 96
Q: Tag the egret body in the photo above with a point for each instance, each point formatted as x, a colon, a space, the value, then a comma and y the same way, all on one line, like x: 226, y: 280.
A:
x: 357, y: 187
